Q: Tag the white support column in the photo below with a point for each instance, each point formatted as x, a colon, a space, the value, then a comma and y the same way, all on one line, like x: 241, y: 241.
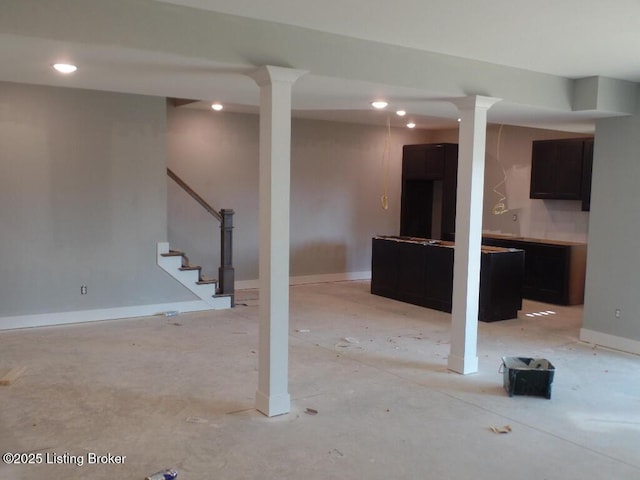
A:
x: 463, y: 357
x: 272, y: 397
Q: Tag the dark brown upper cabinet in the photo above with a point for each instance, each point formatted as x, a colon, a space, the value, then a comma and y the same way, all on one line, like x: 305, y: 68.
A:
x: 561, y: 169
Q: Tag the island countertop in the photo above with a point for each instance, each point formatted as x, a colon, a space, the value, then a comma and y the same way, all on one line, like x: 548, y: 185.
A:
x: 439, y: 243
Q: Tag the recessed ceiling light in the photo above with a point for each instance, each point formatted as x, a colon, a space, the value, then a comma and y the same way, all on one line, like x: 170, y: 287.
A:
x: 401, y: 113
x: 379, y: 104
x: 216, y: 106
x: 65, y: 67
x: 411, y: 125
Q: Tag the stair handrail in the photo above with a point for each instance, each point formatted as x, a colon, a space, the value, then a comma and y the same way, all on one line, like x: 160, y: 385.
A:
x: 226, y: 272
x: 193, y: 194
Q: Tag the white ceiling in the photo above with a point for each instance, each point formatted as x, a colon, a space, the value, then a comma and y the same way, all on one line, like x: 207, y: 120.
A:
x: 569, y: 38
x: 565, y: 38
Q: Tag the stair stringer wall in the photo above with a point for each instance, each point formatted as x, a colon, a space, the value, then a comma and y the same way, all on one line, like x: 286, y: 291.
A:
x: 189, y: 279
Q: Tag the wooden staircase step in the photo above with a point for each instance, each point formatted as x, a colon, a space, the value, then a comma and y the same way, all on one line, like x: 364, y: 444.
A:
x: 206, y: 282
x: 173, y: 253
x: 190, y: 267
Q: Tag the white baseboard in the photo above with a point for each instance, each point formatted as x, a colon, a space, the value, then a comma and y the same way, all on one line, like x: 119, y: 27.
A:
x: 62, y: 318
x: 610, y: 341
x: 306, y: 279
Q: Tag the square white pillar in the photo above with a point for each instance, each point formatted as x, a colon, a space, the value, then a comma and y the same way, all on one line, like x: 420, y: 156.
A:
x: 272, y: 397
x: 463, y: 356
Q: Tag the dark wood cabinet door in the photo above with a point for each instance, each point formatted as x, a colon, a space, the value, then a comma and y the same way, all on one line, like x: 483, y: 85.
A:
x: 410, y: 258
x: 568, y: 169
x: 438, y: 286
x: 500, y: 285
x: 556, y: 169
x: 416, y: 206
x: 384, y: 268
x: 587, y: 165
x: 434, y: 161
x: 543, y: 159
x: 546, y: 274
x: 422, y: 162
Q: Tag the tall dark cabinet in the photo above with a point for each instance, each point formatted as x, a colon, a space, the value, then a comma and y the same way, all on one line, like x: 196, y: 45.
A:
x: 429, y: 181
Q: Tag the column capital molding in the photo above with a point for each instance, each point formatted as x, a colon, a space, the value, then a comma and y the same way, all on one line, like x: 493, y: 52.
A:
x: 269, y: 74
x: 474, y: 102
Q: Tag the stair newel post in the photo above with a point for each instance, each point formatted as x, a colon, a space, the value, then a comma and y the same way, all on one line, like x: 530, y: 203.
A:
x: 226, y: 273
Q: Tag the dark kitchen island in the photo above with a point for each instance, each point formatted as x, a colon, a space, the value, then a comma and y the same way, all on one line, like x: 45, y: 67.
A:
x: 420, y: 271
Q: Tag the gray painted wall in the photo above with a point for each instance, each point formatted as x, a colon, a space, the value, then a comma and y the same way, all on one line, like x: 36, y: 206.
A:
x: 336, y: 185
x: 337, y: 176
x: 83, y: 195
x: 548, y: 219
x: 613, y: 262
x: 217, y: 155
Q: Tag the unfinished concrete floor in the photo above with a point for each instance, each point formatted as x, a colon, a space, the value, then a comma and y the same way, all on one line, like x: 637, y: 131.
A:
x: 179, y: 392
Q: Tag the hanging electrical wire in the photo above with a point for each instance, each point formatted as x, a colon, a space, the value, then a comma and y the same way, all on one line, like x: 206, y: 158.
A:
x: 384, y: 199
x: 499, y: 208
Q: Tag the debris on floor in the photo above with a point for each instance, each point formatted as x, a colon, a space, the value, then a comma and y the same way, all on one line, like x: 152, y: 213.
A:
x: 311, y: 411
x: 505, y: 429
x: 196, y: 420
x: 335, y: 455
x: 303, y: 330
x: 168, y: 474
x: 171, y: 313
x: 10, y: 375
x: 347, y: 342
x: 242, y: 410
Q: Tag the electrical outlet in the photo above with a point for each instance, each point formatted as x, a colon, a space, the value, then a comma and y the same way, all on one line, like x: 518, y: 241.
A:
x: 617, y: 313
x: 83, y: 290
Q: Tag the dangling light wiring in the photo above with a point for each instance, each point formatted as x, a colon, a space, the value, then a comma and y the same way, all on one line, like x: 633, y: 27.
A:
x: 384, y: 199
x: 499, y: 208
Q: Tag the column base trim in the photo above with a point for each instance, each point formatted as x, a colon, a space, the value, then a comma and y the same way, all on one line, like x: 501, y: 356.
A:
x: 273, y: 405
x: 463, y: 365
